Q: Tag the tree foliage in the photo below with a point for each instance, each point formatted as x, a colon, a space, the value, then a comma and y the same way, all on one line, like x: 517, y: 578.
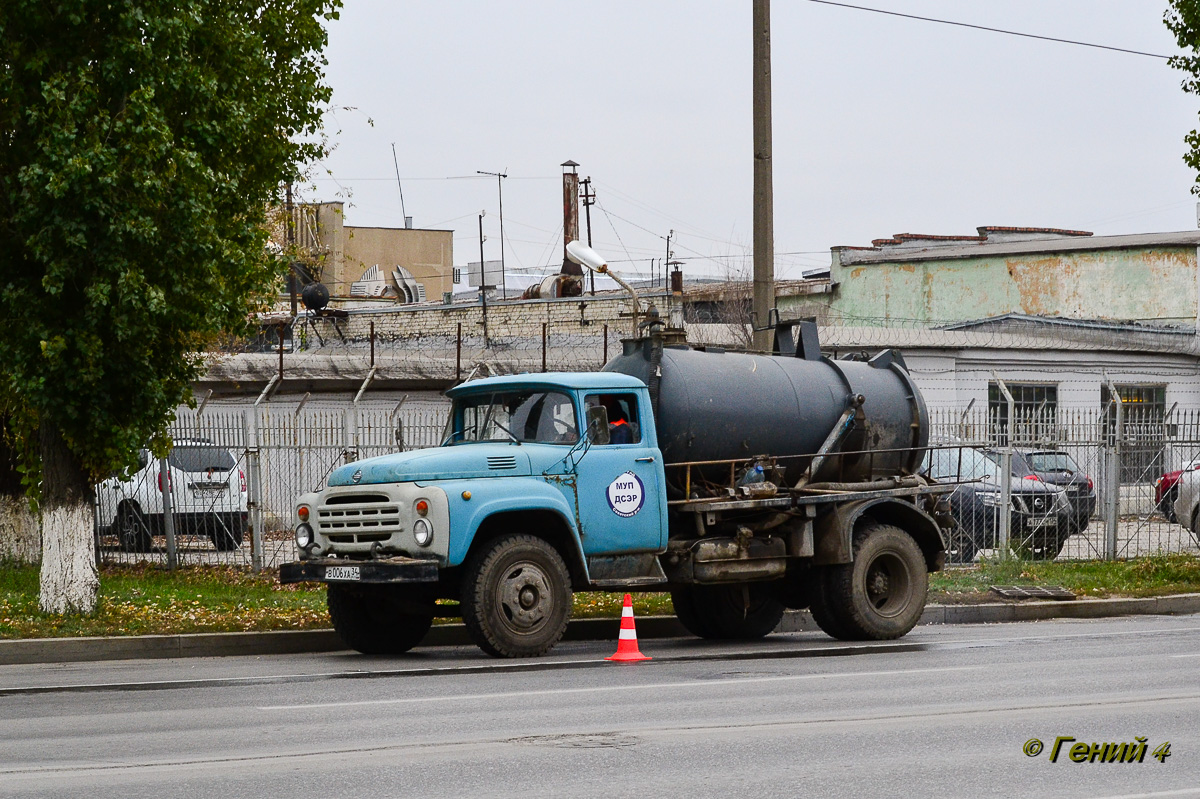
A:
x: 1183, y: 19
x: 141, y: 142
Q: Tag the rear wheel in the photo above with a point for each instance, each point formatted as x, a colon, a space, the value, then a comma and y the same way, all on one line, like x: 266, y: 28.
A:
x: 963, y: 547
x: 516, y: 597
x: 225, y: 531
x: 376, y: 620
x: 731, y: 612
x: 133, y: 530
x: 881, y: 595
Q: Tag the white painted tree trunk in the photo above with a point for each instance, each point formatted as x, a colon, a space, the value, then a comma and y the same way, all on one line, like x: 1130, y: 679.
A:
x: 70, y: 582
x: 20, y: 534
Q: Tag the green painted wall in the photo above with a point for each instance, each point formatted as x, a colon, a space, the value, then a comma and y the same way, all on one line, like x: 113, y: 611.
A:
x: 1144, y: 284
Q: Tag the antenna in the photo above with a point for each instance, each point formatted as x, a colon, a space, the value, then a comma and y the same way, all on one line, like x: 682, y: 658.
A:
x: 396, y: 163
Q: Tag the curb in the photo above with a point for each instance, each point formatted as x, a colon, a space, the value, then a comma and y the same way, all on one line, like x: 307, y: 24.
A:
x: 288, y: 642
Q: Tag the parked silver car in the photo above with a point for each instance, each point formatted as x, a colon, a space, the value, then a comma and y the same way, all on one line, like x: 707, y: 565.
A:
x: 1187, y: 501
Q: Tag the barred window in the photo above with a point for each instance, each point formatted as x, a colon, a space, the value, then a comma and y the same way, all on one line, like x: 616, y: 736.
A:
x: 1143, y: 437
x: 1035, y: 408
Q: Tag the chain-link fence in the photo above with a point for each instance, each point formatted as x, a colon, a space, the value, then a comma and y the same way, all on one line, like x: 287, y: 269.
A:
x: 1116, y: 467
x: 234, y: 473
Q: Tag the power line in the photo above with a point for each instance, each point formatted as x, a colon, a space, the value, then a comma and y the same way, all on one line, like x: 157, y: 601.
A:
x: 991, y: 30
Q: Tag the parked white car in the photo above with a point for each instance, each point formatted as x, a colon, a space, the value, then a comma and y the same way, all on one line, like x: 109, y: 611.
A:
x: 1187, y: 502
x: 208, y: 497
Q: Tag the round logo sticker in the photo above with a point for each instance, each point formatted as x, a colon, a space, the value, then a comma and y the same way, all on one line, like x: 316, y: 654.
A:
x: 626, y: 495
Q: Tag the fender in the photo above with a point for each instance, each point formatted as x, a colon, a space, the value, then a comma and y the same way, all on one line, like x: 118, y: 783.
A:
x: 834, y: 532
x: 489, y: 497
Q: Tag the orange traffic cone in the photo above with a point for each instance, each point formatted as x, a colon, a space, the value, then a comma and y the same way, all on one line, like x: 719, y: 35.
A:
x: 627, y: 648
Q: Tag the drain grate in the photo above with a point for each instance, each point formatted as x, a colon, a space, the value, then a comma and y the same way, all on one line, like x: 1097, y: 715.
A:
x: 1032, y: 592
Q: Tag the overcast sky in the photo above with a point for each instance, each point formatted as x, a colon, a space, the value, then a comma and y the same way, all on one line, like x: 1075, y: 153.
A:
x: 882, y: 125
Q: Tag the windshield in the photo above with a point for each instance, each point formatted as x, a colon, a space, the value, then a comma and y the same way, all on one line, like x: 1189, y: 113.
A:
x: 959, y: 464
x: 534, y: 416
x: 1051, y: 462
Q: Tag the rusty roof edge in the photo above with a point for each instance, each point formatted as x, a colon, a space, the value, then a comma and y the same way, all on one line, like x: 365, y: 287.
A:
x: 856, y: 255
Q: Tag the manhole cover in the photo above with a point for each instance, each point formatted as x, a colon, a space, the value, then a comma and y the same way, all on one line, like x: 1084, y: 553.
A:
x: 1032, y: 592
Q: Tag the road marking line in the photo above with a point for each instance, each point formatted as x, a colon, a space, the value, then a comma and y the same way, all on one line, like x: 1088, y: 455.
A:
x: 1180, y: 792
x: 625, y: 688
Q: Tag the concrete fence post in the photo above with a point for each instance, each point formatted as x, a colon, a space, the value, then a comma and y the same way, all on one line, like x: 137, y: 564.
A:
x: 168, y: 509
x: 254, y: 506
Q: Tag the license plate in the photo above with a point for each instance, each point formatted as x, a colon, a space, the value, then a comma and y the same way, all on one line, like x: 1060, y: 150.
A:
x: 341, y: 573
x: 1040, y: 524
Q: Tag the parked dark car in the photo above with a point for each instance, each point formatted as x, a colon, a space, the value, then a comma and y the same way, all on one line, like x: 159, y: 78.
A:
x: 1059, y: 469
x: 1040, y: 512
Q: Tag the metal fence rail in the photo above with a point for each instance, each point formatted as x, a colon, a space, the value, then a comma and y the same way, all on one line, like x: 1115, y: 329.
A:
x: 280, y: 451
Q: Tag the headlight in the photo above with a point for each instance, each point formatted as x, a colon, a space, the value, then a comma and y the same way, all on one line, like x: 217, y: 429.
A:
x: 989, y: 498
x: 304, y: 537
x: 423, y: 532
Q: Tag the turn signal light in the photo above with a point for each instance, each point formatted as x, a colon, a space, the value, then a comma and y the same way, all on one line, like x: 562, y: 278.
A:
x: 302, y: 513
x: 422, y: 507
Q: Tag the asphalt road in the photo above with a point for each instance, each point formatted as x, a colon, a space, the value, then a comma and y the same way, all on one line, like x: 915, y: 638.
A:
x: 946, y: 711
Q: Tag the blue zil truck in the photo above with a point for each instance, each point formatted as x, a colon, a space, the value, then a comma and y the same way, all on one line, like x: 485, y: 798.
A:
x: 743, y: 484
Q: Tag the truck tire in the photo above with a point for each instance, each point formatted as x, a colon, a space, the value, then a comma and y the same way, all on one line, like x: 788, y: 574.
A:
x: 819, y: 607
x: 721, y: 611
x: 369, y: 621
x: 133, y: 531
x: 516, y: 597
x: 881, y: 594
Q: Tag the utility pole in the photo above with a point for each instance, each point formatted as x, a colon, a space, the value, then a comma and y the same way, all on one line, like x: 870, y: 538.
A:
x: 667, y: 260
x: 500, y: 176
x: 483, y: 279
x: 764, y: 202
x: 589, y: 198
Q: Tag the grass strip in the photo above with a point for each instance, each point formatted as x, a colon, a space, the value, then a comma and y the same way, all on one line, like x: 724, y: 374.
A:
x: 149, y: 600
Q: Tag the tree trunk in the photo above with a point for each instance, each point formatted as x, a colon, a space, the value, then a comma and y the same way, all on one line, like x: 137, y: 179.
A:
x: 70, y: 582
x: 20, y: 536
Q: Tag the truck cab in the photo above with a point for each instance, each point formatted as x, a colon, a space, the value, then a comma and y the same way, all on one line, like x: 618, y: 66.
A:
x: 565, y: 463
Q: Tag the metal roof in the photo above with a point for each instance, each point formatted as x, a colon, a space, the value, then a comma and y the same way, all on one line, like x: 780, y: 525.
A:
x: 569, y: 380
x: 848, y: 256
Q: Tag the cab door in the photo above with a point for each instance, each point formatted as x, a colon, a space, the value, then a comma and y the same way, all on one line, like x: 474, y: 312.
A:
x: 620, y: 486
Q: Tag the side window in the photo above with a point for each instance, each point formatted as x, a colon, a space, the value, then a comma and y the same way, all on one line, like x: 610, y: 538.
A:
x: 622, y: 410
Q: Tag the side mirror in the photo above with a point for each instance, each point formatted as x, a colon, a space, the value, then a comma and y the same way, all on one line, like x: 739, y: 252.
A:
x: 597, y: 425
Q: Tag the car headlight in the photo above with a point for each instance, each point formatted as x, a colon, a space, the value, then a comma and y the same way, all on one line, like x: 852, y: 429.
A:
x: 304, y: 537
x: 423, y: 532
x: 989, y: 498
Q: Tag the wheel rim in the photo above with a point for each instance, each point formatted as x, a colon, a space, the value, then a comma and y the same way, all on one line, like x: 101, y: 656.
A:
x: 524, y: 597
x: 888, y: 584
x: 130, y: 529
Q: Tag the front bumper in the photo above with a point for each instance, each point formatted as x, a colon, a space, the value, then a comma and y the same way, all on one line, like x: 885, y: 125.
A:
x: 384, y: 571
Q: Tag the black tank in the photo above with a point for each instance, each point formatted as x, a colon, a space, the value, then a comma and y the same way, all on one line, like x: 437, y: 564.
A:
x: 714, y: 405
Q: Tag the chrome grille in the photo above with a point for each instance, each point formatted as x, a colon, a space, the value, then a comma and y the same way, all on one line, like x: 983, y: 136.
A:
x: 351, y: 518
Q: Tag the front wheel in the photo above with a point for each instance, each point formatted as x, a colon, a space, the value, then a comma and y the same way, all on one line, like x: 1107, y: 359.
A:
x: 375, y: 621
x: 1166, y: 505
x: 881, y: 594
x: 730, y: 612
x: 516, y: 597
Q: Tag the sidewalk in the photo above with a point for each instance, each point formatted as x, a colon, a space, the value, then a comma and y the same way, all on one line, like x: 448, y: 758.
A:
x: 73, y: 650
